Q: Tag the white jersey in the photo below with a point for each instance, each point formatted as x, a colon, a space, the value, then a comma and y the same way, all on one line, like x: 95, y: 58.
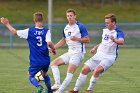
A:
x: 107, y: 46
x: 77, y: 30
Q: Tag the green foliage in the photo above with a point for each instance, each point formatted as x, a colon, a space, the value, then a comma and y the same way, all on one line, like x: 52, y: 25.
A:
x: 20, y: 11
x: 122, y: 77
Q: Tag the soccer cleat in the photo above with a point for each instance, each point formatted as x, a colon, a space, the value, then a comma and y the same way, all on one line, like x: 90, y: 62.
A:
x: 39, y: 89
x: 72, y: 91
x: 55, y: 87
x: 88, y: 91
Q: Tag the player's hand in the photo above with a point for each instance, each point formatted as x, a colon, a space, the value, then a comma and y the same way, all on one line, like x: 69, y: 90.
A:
x: 112, y: 38
x: 73, y: 38
x: 53, y: 51
x: 92, y: 51
x: 4, y: 20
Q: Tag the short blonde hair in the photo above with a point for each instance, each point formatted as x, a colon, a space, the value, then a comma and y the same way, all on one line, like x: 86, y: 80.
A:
x: 111, y: 16
x: 38, y: 17
x: 71, y: 10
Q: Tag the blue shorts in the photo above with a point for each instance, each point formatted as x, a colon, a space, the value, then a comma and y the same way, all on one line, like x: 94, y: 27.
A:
x: 34, y: 70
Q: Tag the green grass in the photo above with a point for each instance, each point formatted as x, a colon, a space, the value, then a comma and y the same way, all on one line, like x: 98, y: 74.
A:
x: 123, y: 77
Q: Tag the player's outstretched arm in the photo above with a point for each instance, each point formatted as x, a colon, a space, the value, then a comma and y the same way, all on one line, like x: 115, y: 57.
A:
x: 60, y: 43
x: 94, y: 49
x: 5, y: 21
x: 51, y: 46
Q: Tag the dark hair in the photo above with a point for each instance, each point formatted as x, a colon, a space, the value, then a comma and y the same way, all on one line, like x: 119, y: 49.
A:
x: 111, y: 16
x: 71, y: 10
x: 38, y: 16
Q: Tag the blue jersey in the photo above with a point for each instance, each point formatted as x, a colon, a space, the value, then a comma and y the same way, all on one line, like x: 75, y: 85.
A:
x: 36, y: 37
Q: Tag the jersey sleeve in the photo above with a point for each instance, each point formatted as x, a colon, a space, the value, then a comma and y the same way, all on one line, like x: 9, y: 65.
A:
x: 120, y: 34
x: 83, y: 31
x: 48, y: 36
x: 23, y: 33
x: 63, y: 34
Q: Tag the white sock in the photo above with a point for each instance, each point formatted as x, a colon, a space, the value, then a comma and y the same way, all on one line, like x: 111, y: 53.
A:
x: 66, y: 81
x: 56, y: 74
x: 80, y: 81
x: 92, y: 82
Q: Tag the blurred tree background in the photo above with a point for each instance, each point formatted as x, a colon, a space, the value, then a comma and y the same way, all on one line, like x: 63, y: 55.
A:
x: 88, y: 11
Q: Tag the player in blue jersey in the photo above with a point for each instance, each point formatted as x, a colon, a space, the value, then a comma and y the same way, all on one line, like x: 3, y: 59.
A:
x: 39, y: 40
x: 107, y: 52
x: 75, y: 36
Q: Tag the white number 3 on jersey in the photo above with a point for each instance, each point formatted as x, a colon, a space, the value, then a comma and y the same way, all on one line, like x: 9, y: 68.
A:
x: 39, y: 38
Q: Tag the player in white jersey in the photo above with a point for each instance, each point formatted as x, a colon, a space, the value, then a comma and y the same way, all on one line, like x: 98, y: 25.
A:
x: 75, y: 36
x: 107, y: 52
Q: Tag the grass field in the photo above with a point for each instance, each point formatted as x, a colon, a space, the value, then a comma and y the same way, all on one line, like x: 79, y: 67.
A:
x: 123, y: 77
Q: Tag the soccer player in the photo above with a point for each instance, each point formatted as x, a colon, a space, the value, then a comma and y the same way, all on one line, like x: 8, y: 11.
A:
x: 39, y: 40
x: 107, y: 52
x: 75, y: 36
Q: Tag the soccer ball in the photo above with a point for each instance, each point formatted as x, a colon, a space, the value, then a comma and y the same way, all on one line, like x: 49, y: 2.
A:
x: 39, y: 77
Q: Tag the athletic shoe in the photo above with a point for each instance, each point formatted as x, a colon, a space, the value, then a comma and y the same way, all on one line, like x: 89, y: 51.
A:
x: 88, y: 91
x: 55, y: 87
x: 72, y: 91
x: 39, y: 89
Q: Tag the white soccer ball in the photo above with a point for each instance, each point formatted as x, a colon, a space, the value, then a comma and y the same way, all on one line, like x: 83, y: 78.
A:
x: 39, y: 77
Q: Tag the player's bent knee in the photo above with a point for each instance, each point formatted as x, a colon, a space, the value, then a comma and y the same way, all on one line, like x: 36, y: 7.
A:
x: 85, y: 70
x: 54, y: 64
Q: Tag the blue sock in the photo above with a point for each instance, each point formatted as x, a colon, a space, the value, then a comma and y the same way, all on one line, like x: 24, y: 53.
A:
x: 48, y: 83
x: 34, y: 81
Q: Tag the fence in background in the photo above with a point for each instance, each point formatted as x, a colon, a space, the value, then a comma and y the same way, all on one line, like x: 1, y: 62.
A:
x: 131, y: 30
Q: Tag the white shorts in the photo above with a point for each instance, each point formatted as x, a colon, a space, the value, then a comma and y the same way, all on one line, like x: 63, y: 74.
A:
x: 72, y: 58
x: 100, y: 59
